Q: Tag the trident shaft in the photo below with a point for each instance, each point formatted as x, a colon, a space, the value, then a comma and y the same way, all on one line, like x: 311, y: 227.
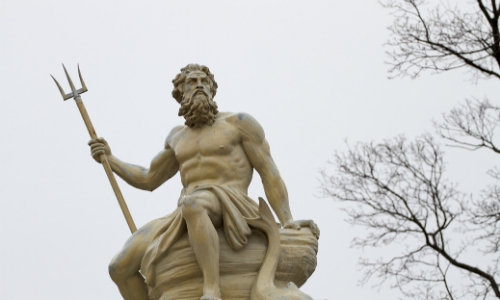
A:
x: 75, y: 94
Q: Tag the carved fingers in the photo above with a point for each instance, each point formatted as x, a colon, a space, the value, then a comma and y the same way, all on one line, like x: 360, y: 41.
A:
x: 99, y: 147
x: 308, y: 223
x: 291, y: 225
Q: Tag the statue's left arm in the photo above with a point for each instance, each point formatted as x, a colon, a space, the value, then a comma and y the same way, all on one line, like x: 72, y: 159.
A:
x: 258, y: 152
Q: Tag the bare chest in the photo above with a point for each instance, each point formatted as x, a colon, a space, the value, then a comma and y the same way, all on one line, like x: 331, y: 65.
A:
x: 209, y: 141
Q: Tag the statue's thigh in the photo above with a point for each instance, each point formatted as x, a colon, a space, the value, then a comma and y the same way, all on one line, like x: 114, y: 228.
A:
x: 202, y: 202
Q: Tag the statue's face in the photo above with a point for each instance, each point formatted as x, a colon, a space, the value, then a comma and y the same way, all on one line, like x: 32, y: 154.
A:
x: 197, y: 81
x: 197, y: 105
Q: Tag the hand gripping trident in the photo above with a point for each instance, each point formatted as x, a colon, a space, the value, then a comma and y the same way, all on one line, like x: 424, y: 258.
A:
x: 104, y: 160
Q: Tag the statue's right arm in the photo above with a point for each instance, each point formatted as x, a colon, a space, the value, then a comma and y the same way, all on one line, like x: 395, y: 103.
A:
x: 163, y: 166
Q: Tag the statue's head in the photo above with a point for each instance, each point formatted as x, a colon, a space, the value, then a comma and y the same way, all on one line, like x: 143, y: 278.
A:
x: 194, y: 89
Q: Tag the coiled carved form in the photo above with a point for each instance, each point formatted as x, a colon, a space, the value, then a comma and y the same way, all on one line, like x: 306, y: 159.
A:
x: 264, y: 287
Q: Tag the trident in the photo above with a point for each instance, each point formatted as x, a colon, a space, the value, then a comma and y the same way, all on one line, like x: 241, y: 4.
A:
x: 104, y: 160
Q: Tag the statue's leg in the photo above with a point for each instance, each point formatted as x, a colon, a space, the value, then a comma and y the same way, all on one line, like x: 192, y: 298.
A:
x: 202, y: 212
x: 125, y: 266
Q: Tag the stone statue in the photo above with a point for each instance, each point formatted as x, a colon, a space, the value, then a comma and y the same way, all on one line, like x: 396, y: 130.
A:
x: 215, y: 153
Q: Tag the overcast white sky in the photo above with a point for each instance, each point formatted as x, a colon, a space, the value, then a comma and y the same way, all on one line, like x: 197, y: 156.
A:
x: 311, y: 72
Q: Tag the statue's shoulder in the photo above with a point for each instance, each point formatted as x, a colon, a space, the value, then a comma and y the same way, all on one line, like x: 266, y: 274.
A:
x: 240, y: 118
x: 171, y: 136
x: 246, y: 124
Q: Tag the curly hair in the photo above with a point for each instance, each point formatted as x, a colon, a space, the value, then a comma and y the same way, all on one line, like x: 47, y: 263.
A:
x: 179, y: 79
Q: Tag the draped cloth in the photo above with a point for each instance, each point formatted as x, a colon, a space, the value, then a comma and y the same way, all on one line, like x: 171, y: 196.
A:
x: 236, y: 207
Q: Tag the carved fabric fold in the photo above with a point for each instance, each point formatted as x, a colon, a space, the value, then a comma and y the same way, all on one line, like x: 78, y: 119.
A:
x: 236, y: 207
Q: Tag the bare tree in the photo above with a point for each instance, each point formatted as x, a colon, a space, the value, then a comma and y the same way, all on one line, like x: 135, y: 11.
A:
x: 450, y: 34
x: 471, y: 125
x: 444, y: 37
x: 396, y: 190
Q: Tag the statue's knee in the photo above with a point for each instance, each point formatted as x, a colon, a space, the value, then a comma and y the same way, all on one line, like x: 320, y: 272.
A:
x: 191, y: 207
x: 115, y: 270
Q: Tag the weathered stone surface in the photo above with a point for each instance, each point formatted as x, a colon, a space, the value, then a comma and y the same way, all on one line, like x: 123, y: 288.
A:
x: 179, y: 277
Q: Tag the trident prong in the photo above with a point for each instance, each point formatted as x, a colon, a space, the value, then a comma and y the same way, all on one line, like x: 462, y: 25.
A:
x: 69, y: 80
x: 74, y: 92
x: 84, y: 87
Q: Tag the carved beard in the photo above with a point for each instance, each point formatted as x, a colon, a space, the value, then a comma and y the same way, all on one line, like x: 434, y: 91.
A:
x: 198, y: 109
